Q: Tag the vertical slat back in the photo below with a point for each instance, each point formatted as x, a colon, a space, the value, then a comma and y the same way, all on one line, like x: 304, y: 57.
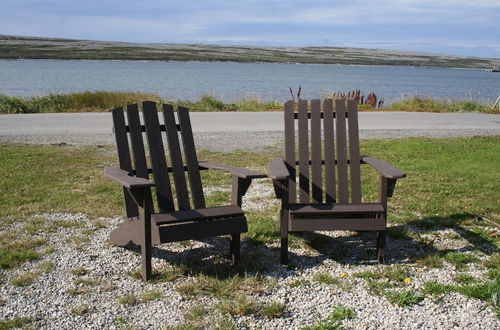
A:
x: 304, y: 182
x: 340, y: 114
x: 316, y: 166
x: 191, y: 158
x: 124, y: 159
x: 290, y: 149
x: 354, y: 160
x: 176, y: 157
x: 139, y: 155
x: 329, y: 137
x: 157, y: 154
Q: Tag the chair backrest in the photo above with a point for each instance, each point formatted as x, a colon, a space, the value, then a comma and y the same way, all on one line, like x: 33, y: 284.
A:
x: 133, y: 157
x: 333, y: 155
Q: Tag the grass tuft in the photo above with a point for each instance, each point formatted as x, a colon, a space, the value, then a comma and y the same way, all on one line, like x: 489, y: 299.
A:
x: 273, y: 310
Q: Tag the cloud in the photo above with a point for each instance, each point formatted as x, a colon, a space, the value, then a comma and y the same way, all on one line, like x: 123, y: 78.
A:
x: 449, y: 23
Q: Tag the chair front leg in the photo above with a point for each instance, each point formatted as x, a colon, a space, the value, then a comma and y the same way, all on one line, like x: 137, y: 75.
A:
x: 143, y: 199
x: 234, y: 247
x: 381, y: 240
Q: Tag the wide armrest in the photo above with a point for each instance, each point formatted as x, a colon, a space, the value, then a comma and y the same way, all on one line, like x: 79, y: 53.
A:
x: 234, y: 170
x: 385, y: 169
x: 278, y: 170
x: 123, y: 178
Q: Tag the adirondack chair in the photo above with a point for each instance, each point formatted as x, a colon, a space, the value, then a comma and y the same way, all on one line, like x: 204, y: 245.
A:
x: 185, y: 218
x: 324, y: 205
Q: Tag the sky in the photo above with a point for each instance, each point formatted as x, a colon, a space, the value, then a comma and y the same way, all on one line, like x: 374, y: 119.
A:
x: 461, y: 27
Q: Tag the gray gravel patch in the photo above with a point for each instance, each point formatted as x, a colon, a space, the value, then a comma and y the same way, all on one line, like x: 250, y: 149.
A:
x: 50, y: 303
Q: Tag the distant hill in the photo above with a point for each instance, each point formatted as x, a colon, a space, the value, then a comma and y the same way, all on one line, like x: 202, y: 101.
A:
x: 14, y: 47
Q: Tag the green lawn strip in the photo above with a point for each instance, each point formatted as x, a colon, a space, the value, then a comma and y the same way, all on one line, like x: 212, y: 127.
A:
x: 450, y: 182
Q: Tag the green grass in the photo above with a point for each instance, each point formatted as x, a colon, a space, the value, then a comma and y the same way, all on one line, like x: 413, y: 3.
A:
x: 239, y: 306
x: 273, y: 310
x: 334, y: 320
x: 128, y: 300
x: 460, y: 260
x: 101, y: 101
x: 433, y: 105
x: 17, y: 322
x: 325, y: 278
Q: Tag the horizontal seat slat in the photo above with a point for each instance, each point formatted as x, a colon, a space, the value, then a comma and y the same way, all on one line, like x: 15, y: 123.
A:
x: 337, y: 224
x: 201, y: 229
x: 335, y: 208
x: 197, y: 214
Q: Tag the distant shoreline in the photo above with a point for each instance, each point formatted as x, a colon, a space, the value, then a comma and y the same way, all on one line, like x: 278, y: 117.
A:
x: 15, y: 47
x: 236, y: 62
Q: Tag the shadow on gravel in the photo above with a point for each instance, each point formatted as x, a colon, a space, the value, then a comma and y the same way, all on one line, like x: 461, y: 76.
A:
x: 405, y: 243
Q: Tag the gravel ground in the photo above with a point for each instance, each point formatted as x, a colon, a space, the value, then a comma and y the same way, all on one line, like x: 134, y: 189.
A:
x: 52, y: 300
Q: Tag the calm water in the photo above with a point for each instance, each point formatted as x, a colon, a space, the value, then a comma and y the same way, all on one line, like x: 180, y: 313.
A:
x: 234, y: 81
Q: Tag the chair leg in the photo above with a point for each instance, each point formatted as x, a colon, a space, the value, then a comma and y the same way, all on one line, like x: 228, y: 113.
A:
x: 145, y: 216
x: 284, y: 250
x: 234, y: 247
x: 381, y: 246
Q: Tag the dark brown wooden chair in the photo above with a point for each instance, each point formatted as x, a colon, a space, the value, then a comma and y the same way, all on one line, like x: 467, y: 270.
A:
x: 185, y: 218
x: 328, y: 171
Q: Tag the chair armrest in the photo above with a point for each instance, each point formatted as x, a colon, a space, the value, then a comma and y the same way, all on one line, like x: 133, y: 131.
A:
x: 385, y: 169
x: 127, y: 181
x: 234, y: 170
x: 277, y: 169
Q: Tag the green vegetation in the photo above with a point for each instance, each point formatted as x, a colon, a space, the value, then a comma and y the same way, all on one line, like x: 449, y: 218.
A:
x: 334, y: 320
x: 151, y: 295
x: 273, y: 310
x: 325, y: 278
x: 445, y: 188
x: 128, y: 299
x: 433, y: 105
x: 17, y: 322
x: 101, y: 101
x: 240, y: 305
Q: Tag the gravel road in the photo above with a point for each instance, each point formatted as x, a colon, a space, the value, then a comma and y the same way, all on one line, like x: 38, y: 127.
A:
x: 228, y: 131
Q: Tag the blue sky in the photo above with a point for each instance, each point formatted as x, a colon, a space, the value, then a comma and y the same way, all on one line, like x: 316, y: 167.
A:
x: 459, y: 27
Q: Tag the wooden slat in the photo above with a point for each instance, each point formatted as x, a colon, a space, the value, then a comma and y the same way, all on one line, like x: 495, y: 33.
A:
x: 290, y: 150
x: 352, y: 109
x: 341, y: 152
x: 191, y: 158
x: 304, y: 181
x: 337, y: 224
x: 316, y: 168
x: 157, y: 154
x: 124, y: 159
x: 141, y: 167
x: 198, y: 214
x: 176, y: 158
x: 336, y: 208
x: 329, y: 137
x: 202, y: 229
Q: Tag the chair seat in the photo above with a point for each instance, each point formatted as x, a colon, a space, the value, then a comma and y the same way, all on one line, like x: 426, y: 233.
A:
x: 311, y: 217
x: 206, y: 214
x: 306, y: 209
